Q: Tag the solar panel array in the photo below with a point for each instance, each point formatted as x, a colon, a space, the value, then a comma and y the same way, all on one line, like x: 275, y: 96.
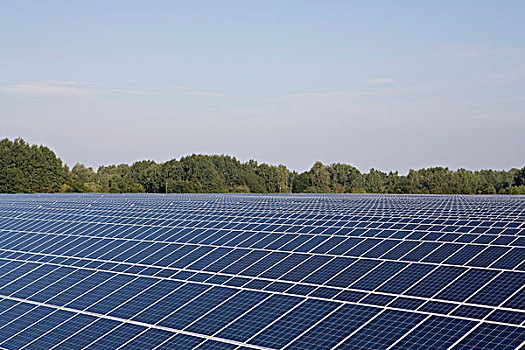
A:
x: 262, y: 272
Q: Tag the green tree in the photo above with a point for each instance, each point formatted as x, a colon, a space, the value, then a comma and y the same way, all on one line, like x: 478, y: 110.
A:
x: 301, y: 182
x: 320, y: 178
x: 375, y: 181
x: 25, y: 168
x: 31, y: 168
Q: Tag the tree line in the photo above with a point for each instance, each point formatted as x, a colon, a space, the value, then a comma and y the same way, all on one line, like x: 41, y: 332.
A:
x: 28, y: 168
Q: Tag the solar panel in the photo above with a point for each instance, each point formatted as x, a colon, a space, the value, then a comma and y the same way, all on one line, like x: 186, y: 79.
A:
x: 243, y: 271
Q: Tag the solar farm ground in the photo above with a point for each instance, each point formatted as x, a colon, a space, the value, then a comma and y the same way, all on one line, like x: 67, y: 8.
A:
x: 101, y: 271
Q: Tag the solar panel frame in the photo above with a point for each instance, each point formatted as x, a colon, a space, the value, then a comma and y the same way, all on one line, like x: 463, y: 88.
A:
x: 122, y: 261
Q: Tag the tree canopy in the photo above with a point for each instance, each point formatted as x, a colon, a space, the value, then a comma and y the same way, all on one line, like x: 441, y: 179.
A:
x: 28, y: 168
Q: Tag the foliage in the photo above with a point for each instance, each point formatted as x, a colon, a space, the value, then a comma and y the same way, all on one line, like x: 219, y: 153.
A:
x: 26, y: 168
x: 29, y: 169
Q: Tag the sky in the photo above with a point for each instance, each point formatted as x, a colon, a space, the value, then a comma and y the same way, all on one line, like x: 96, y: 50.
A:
x: 390, y: 85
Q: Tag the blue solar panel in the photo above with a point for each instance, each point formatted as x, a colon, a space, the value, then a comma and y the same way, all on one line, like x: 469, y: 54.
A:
x: 380, y: 332
x: 435, y: 333
x: 99, y: 271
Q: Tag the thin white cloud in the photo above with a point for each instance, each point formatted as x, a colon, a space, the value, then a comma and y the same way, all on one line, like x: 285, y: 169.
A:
x: 133, y: 92
x: 378, y: 81
x: 67, y: 89
x: 77, y: 83
x: 53, y: 89
x: 206, y: 94
x: 506, y: 76
x: 197, y: 93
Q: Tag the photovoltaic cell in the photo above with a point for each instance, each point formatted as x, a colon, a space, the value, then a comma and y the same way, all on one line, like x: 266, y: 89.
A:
x: 379, y: 333
x: 246, y: 271
x: 435, y: 333
x: 334, y: 328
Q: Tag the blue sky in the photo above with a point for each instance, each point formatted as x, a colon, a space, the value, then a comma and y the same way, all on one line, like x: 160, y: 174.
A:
x: 389, y: 85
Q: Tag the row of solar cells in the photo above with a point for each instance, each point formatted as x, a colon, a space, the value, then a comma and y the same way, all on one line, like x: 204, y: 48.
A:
x: 164, y: 233
x: 307, y: 223
x: 258, y: 318
x: 347, y: 210
x: 412, y: 279
x: 452, y: 307
x: 338, y: 213
x: 72, y: 226
x: 42, y: 327
x: 285, y: 206
x: 453, y: 253
x: 480, y: 216
x: 168, y: 254
x: 512, y: 228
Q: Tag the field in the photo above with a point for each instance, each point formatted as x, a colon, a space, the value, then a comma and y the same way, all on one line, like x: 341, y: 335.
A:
x: 225, y: 271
